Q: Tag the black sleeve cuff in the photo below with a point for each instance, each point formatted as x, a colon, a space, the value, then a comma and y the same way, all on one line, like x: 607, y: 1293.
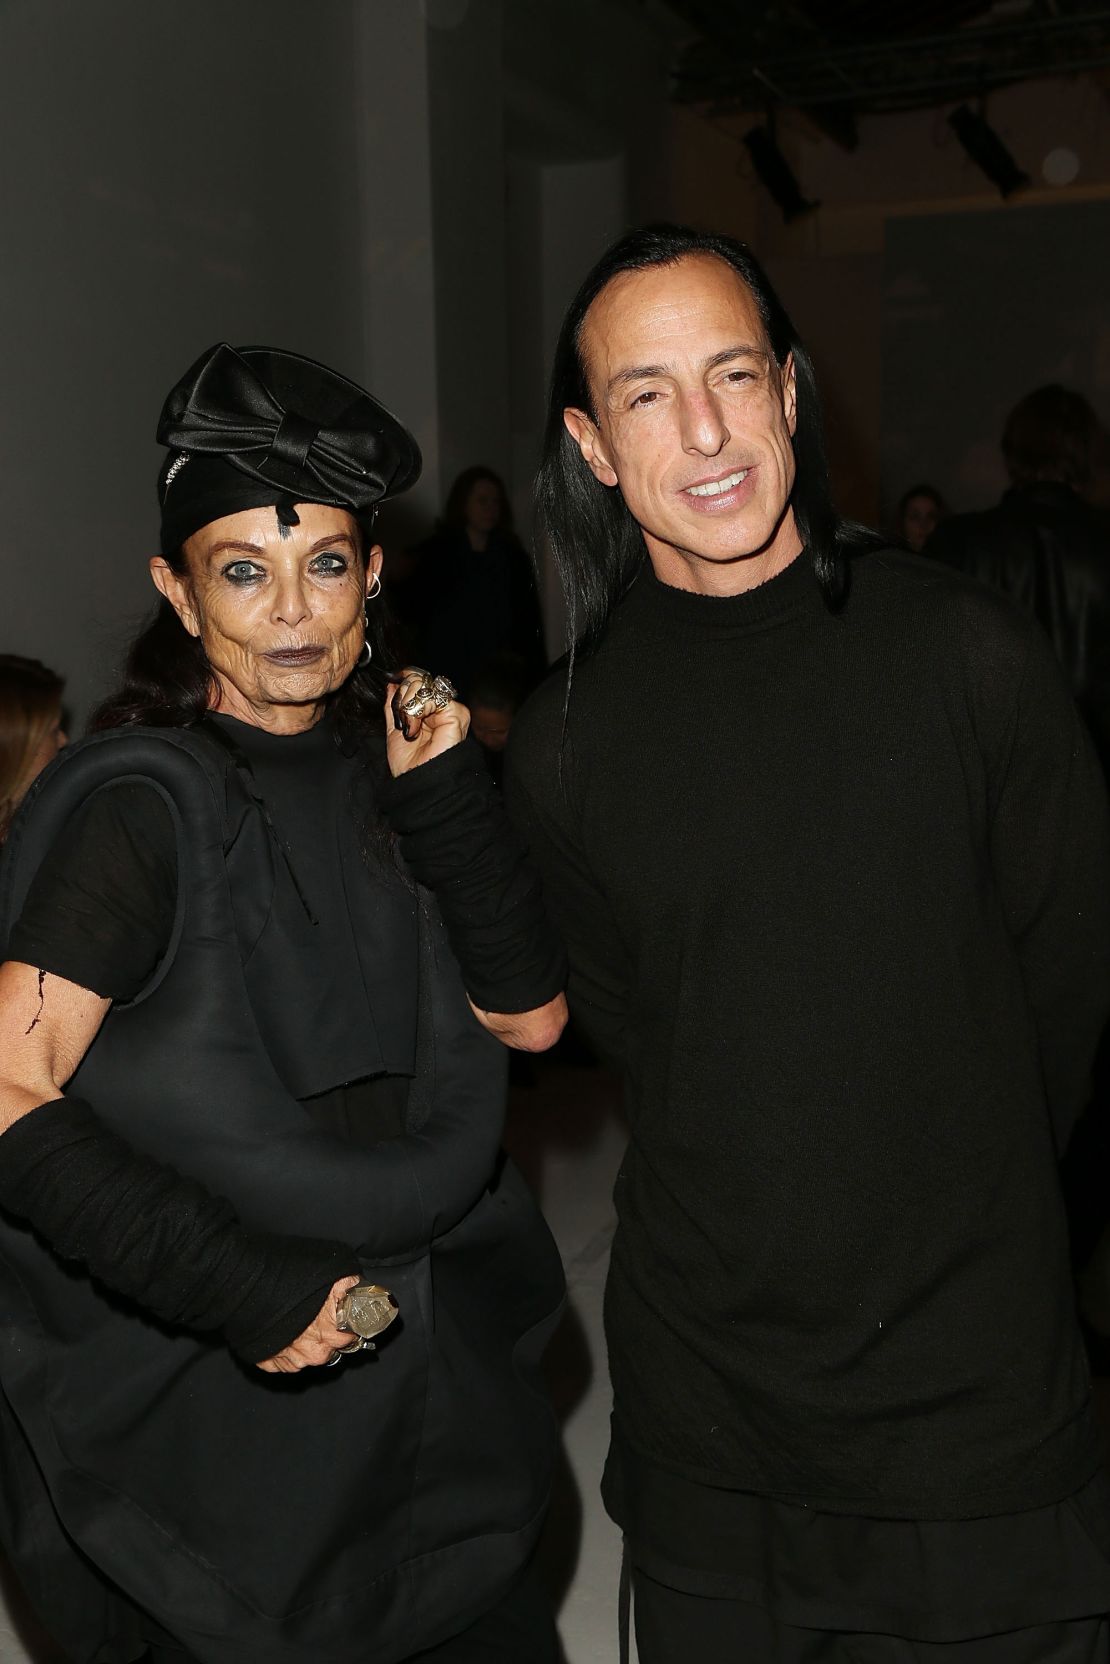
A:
x: 456, y: 840
x: 404, y: 796
x: 160, y: 1239
x: 287, y: 1295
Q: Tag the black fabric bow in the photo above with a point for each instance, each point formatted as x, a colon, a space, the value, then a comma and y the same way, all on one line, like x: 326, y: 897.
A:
x: 328, y: 442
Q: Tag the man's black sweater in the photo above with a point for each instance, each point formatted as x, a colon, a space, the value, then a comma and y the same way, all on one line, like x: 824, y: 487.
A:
x: 835, y: 889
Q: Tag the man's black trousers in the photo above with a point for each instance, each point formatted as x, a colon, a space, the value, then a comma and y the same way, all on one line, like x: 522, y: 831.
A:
x: 677, y: 1628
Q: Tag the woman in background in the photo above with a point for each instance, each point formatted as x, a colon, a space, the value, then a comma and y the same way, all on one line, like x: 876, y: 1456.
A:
x: 920, y: 512
x: 473, y: 596
x: 31, y: 732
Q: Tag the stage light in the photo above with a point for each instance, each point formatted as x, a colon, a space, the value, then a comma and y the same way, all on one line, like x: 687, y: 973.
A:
x: 775, y: 174
x: 1060, y: 166
x: 986, y: 150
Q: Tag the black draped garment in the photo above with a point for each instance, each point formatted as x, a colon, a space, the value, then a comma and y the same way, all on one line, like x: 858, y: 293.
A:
x: 290, y: 1028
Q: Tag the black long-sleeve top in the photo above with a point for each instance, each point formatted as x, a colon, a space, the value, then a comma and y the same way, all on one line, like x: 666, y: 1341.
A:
x: 835, y: 891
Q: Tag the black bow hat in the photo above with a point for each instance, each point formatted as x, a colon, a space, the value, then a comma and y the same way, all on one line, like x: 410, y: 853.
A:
x: 253, y: 427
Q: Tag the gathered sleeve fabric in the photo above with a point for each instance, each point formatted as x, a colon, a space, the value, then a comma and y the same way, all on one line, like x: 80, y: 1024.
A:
x: 457, y: 841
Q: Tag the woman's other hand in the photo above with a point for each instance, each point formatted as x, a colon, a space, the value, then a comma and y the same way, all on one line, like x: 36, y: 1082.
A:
x: 320, y: 1341
x: 412, y: 740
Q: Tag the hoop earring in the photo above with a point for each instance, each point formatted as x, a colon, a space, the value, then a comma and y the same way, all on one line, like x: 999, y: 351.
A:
x: 372, y: 594
x: 366, y: 648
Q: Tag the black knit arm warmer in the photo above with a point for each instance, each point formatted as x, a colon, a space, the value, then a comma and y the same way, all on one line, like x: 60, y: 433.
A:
x: 456, y: 839
x: 160, y: 1239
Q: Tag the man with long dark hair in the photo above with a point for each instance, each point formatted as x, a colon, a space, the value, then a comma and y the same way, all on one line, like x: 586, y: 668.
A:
x: 829, y: 849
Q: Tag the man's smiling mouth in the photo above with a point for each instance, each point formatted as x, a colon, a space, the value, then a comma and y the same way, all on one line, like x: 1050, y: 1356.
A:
x: 716, y: 488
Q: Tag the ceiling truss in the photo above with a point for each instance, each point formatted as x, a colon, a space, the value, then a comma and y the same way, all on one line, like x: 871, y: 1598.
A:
x: 750, y: 56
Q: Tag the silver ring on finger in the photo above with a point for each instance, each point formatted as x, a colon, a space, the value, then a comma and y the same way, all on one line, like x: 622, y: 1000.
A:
x: 336, y: 1358
x: 433, y: 692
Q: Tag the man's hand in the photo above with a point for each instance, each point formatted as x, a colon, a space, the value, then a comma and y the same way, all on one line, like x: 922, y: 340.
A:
x: 320, y: 1341
x: 527, y: 1031
x: 412, y: 740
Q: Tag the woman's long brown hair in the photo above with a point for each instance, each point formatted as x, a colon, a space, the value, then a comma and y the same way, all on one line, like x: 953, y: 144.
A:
x: 30, y: 706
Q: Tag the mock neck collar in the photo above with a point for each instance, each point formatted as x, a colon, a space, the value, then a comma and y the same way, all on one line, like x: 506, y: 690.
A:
x: 261, y: 742
x: 793, y: 590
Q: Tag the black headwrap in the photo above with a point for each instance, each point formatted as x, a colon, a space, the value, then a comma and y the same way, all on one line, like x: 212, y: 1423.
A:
x: 255, y: 427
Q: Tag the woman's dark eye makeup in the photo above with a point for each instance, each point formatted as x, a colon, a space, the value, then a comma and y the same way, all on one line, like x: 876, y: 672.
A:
x: 331, y: 563
x: 242, y: 571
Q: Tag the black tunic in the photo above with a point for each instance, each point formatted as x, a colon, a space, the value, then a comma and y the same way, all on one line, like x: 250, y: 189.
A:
x: 152, y: 1485
x: 101, y: 910
x: 835, y: 889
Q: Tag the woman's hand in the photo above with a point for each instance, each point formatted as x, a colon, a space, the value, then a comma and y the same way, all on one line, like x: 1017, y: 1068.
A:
x: 412, y: 740
x: 320, y: 1341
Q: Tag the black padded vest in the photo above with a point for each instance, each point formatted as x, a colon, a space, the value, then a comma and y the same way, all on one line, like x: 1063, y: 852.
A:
x: 369, y: 1510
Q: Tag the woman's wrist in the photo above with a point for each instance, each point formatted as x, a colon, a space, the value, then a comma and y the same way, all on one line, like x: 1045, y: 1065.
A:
x: 438, y: 777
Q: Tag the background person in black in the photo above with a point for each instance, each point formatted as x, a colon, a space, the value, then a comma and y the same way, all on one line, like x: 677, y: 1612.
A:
x: 471, y: 598
x: 828, y: 846
x: 1045, y: 545
x: 211, y: 934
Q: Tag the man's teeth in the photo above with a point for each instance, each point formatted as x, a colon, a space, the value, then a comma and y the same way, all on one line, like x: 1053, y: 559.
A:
x: 715, y: 487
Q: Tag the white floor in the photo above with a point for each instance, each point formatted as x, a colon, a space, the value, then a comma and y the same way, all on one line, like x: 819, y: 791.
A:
x: 567, y: 1134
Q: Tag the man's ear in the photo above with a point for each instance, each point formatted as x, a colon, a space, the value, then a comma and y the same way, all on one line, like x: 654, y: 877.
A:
x: 790, y: 393
x: 177, y: 591
x: 585, y: 435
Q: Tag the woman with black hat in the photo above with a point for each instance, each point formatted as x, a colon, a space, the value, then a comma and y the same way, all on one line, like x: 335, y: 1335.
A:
x: 277, y: 1144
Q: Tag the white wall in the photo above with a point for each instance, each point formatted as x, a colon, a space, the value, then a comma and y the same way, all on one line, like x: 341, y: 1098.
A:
x: 586, y: 137
x: 397, y: 283
x: 467, y: 135
x: 171, y: 179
